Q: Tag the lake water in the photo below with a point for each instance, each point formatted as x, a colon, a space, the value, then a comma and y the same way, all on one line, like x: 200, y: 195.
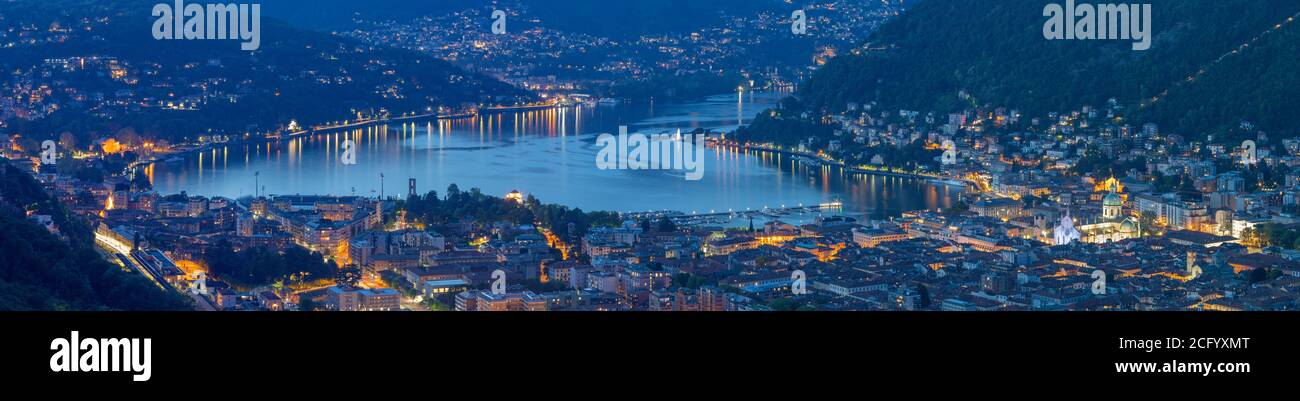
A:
x: 550, y: 154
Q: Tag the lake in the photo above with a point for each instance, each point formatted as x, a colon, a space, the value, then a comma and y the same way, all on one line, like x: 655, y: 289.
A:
x: 550, y: 154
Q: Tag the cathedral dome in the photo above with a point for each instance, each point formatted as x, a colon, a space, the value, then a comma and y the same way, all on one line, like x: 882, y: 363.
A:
x: 1112, y: 199
x: 1128, y: 227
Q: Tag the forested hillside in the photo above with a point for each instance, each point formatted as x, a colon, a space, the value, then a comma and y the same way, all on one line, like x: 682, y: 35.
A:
x: 41, y: 271
x: 995, y: 52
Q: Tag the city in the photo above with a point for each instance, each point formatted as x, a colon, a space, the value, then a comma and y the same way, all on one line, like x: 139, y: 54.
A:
x: 311, y: 195
x: 1083, y: 209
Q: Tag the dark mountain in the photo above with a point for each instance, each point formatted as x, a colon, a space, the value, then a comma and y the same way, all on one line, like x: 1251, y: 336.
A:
x: 41, y: 271
x: 995, y: 52
x: 128, y: 78
x: 614, y: 19
x: 635, y: 18
x: 333, y: 15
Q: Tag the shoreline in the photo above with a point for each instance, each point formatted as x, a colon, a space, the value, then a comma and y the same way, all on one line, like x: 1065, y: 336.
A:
x: 885, y: 171
x: 713, y: 140
x: 324, y: 128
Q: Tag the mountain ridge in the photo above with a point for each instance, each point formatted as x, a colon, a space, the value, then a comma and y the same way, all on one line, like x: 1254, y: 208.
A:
x: 996, y: 53
x: 308, y: 76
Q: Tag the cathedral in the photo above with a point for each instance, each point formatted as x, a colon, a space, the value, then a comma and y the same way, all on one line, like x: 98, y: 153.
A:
x: 1113, y: 225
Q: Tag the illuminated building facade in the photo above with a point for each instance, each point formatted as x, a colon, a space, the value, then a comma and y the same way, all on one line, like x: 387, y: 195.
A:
x: 1113, y: 224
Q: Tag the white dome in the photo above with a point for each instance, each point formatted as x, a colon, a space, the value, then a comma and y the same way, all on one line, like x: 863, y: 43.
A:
x: 1112, y: 199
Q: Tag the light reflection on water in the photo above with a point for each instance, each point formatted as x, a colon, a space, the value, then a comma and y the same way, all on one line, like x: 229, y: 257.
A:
x: 549, y: 154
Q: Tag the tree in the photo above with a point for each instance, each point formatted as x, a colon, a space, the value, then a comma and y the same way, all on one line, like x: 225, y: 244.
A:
x: 1250, y: 237
x: 1148, y: 222
x: 46, y: 272
x: 690, y: 281
x: 957, y: 208
x: 68, y: 141
x: 90, y: 173
x: 1165, y: 183
x: 260, y: 266
x: 129, y: 138
x: 436, y: 306
x: 667, y: 225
